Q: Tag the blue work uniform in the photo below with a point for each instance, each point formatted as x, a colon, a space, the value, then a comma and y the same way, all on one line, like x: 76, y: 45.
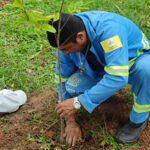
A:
x: 122, y: 50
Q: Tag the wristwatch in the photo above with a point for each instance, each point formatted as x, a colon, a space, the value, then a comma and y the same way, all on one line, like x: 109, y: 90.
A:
x: 76, y: 103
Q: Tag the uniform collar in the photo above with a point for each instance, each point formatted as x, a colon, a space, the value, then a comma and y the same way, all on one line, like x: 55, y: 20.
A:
x: 89, y: 29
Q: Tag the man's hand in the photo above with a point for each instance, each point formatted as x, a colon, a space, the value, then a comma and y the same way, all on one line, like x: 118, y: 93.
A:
x: 65, y: 108
x: 72, y: 133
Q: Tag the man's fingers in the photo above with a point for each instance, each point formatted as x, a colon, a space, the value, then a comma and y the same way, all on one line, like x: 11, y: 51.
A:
x: 62, y: 114
x: 74, y: 140
x: 67, y: 138
x: 58, y: 106
x: 65, y: 113
x: 59, y: 111
x: 70, y: 140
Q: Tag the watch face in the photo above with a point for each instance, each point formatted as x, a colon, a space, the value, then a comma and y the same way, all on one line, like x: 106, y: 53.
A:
x: 77, y: 105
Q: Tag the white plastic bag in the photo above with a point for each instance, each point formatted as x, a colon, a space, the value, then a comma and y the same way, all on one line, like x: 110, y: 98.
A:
x: 10, y: 100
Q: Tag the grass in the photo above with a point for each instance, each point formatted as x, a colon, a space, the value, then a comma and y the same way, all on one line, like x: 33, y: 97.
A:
x: 19, y: 43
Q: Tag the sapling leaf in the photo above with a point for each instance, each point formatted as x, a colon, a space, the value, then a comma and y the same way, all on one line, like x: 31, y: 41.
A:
x: 83, y: 8
x: 84, y: 4
x: 32, y: 18
x: 36, y: 13
x: 47, y: 27
x: 18, y: 4
x: 45, y: 18
x: 56, y: 16
x: 36, y: 17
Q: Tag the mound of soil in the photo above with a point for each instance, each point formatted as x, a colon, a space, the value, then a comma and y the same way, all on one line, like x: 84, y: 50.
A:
x: 36, y: 126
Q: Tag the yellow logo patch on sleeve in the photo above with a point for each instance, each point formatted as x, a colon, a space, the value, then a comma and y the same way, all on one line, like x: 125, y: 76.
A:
x: 111, y: 44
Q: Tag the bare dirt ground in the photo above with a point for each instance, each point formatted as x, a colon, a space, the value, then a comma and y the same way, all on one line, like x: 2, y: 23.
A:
x: 3, y: 2
x: 36, y: 125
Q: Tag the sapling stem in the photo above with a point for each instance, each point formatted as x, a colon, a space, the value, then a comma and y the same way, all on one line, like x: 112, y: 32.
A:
x: 59, y: 68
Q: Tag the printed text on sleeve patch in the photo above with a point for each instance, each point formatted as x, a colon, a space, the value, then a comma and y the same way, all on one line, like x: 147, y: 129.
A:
x: 111, y: 44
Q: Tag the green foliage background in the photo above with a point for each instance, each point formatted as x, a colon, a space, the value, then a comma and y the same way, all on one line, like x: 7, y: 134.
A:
x: 21, y: 67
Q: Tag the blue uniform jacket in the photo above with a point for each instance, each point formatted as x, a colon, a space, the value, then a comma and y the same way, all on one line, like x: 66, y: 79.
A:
x: 116, y: 42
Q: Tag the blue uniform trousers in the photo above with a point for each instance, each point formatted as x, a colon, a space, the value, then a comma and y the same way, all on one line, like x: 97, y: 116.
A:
x: 139, y: 78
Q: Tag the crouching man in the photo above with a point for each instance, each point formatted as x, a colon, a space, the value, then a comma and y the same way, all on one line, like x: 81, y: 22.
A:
x: 100, y: 53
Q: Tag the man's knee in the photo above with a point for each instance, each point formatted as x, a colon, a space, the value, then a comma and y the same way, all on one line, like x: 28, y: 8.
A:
x: 72, y: 85
x: 78, y: 83
x: 143, y: 69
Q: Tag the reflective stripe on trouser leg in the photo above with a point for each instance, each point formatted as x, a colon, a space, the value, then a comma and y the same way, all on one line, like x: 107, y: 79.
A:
x: 78, y: 83
x: 139, y: 79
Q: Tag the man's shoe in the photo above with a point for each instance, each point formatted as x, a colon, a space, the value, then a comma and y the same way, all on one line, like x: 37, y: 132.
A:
x: 130, y: 132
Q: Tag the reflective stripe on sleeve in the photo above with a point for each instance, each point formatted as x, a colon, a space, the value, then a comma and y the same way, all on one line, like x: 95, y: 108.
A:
x: 117, y: 70
x: 146, y: 46
x: 57, y: 79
